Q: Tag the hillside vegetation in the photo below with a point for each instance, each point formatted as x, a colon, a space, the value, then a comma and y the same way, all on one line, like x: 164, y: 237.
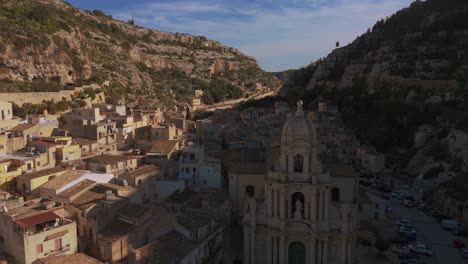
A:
x: 50, y: 41
x: 407, y: 70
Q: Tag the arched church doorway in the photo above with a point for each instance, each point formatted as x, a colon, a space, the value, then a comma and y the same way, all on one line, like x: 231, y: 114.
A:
x: 296, y: 253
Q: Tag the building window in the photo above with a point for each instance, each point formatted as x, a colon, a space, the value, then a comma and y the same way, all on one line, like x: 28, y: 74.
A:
x: 187, y: 170
x: 250, y: 191
x: 40, y: 249
x: 38, y: 163
x: 194, y: 169
x: 204, y: 181
x: 298, y: 163
x: 335, y: 194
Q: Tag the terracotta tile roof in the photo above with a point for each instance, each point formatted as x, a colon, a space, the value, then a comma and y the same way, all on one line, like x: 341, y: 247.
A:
x: 109, y: 159
x: 41, y: 173
x: 168, y: 248
x: 194, y: 220
x: 75, y: 189
x: 22, y: 127
x: 132, y: 210
x: 114, y: 231
x: 164, y: 146
x: 37, y: 219
x: 89, y: 198
x: 78, y: 258
x: 144, y: 170
x: 63, y: 179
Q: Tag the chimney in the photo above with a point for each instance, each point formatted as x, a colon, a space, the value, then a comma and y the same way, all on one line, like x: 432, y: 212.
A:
x: 44, y: 112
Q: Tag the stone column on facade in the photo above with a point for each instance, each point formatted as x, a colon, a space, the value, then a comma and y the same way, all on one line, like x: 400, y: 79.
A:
x: 246, y: 245
x: 319, y: 251
x: 343, y: 249
x: 282, y: 204
x: 350, y: 244
x: 325, y: 251
x: 306, y: 205
x: 282, y: 249
x: 273, y: 198
x: 252, y: 247
x: 313, y: 204
x: 323, y: 202
x: 327, y: 203
x: 312, y: 250
x: 269, y: 249
x: 268, y: 200
x: 274, y: 251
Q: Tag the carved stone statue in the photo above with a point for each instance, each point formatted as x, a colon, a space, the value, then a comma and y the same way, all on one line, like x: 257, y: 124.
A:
x: 299, y: 208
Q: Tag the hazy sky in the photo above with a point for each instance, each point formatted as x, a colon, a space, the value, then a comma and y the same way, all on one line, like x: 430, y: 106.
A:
x: 281, y: 34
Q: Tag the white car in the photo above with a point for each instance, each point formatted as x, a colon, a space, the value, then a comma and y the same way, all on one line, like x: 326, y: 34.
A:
x: 420, y: 249
x: 463, y: 252
x: 407, y: 230
x: 402, y: 222
x: 407, y: 203
x: 400, y: 250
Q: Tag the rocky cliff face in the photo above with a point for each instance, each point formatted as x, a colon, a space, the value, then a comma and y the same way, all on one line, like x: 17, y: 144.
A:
x: 51, y: 40
x: 408, y: 70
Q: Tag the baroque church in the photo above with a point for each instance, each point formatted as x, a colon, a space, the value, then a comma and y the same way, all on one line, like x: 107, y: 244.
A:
x: 307, y: 215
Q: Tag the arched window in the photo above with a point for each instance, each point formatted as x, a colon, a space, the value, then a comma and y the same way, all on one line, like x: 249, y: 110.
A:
x: 297, y: 205
x: 335, y: 194
x: 296, y: 253
x: 250, y: 191
x: 298, y: 163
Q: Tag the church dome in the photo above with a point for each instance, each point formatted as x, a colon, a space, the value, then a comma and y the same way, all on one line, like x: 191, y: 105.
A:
x: 298, y: 128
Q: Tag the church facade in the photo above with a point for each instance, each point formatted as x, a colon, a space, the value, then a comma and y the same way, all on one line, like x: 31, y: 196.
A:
x: 306, y: 214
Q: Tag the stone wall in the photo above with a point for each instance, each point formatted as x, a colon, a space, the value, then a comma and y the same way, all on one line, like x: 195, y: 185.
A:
x: 38, y: 97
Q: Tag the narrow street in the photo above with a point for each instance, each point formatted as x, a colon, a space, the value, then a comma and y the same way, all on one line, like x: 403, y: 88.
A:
x: 429, y: 232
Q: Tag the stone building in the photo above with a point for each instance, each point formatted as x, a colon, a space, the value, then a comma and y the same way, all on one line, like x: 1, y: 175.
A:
x: 305, y: 214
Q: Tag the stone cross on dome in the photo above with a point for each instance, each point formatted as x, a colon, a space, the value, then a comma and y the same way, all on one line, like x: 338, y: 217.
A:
x: 299, y: 107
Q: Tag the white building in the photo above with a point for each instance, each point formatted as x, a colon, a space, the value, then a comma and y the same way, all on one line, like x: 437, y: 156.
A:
x: 305, y: 216
x: 199, y: 171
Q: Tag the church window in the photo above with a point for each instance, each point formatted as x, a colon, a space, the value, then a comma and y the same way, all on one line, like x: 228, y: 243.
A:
x: 250, y: 191
x: 297, y: 205
x: 287, y: 162
x: 298, y: 163
x: 335, y: 194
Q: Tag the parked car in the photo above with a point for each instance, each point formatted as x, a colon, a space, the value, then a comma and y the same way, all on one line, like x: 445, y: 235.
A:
x: 420, y: 249
x: 402, y: 222
x: 136, y: 152
x: 440, y: 217
x: 400, y: 250
x: 407, y: 203
x: 399, y: 240
x: 463, y: 252
x: 408, y: 256
x: 451, y: 224
x: 458, y: 244
x: 413, y: 261
x: 406, y: 230
x: 461, y: 232
x: 410, y: 225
